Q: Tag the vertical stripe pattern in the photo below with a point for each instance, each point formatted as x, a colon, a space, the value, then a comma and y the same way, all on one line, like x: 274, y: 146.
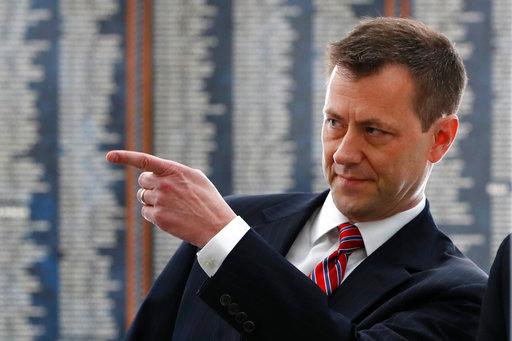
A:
x: 329, y: 273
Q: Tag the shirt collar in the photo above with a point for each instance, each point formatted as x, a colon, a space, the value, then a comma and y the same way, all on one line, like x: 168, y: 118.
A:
x: 374, y: 233
x: 328, y: 217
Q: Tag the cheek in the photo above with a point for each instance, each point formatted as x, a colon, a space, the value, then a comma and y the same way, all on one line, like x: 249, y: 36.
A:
x: 398, y: 170
x: 327, y: 159
x: 389, y: 168
x: 328, y: 149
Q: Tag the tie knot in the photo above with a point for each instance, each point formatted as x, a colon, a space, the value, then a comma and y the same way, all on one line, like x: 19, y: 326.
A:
x: 349, y: 237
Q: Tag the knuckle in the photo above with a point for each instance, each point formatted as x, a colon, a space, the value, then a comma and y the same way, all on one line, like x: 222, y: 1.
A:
x: 144, y: 213
x: 165, y: 185
x: 144, y: 162
x: 159, y: 215
x: 145, y: 178
x: 167, y: 169
x: 178, y: 173
x: 191, y: 173
x: 157, y: 200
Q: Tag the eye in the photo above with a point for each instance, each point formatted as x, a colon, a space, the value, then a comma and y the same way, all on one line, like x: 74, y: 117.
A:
x: 332, y: 122
x: 374, y: 131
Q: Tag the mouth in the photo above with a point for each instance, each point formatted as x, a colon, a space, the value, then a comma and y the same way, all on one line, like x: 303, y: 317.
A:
x: 350, y: 181
x: 350, y: 178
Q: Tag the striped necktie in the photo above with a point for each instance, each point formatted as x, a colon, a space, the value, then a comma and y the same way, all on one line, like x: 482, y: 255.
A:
x: 329, y: 273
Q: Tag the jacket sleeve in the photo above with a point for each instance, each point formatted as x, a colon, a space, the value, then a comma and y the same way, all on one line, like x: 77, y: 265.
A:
x: 264, y: 297
x: 156, y: 317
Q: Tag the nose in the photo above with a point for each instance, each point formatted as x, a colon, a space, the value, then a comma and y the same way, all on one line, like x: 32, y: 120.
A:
x: 350, y: 149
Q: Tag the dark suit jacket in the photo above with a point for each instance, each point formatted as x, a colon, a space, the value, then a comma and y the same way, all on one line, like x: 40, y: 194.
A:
x: 495, y: 316
x: 417, y: 286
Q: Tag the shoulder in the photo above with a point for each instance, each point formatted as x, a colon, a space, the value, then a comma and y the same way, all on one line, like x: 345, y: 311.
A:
x: 246, y: 205
x: 458, y: 271
x: 500, y: 270
x: 454, y: 268
x: 495, y: 315
x: 431, y: 256
x: 267, y: 198
x: 503, y: 255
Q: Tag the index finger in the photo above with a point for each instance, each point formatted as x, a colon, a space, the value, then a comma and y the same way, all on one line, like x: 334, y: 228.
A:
x: 142, y: 161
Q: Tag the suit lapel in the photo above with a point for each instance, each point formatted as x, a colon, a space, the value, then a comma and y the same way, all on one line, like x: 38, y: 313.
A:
x: 389, y: 266
x: 367, y: 284
x: 386, y: 268
x: 283, y: 222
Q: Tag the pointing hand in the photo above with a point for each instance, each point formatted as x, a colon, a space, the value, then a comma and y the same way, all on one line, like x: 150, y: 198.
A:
x: 179, y: 199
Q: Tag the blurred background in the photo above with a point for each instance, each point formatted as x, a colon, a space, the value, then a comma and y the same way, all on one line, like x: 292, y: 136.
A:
x: 235, y: 88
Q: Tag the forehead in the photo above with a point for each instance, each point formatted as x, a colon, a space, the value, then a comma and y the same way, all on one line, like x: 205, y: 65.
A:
x: 387, y: 94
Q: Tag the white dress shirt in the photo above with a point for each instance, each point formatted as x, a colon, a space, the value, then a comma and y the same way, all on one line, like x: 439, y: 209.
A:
x: 317, y: 239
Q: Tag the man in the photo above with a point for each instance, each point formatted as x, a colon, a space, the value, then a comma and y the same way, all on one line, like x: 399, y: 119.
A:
x: 363, y: 261
x: 495, y: 314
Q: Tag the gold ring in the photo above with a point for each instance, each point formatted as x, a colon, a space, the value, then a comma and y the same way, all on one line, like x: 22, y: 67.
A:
x: 142, y: 197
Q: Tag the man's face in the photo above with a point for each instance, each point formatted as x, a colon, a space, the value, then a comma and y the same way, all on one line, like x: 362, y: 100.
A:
x: 375, y: 155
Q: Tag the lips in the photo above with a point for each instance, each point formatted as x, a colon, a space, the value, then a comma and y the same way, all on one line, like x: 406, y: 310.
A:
x: 351, y: 178
x: 351, y: 183
x: 348, y: 176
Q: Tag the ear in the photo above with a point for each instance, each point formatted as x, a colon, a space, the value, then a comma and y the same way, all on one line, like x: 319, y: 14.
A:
x: 443, y: 131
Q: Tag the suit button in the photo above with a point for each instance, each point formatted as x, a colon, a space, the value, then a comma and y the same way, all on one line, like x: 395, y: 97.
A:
x: 233, y: 309
x: 249, y: 326
x: 241, y: 317
x: 225, y: 299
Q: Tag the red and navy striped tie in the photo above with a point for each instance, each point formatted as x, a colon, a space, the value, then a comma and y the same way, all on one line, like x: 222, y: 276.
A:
x: 329, y: 273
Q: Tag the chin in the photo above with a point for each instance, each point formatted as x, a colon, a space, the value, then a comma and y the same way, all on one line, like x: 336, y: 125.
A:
x: 354, y: 211
x: 358, y: 215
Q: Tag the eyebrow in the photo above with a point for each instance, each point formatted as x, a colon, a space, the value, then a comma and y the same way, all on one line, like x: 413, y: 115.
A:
x: 331, y: 113
x: 375, y: 122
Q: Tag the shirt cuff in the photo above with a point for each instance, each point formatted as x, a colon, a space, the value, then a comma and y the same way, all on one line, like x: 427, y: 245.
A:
x: 211, y: 256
